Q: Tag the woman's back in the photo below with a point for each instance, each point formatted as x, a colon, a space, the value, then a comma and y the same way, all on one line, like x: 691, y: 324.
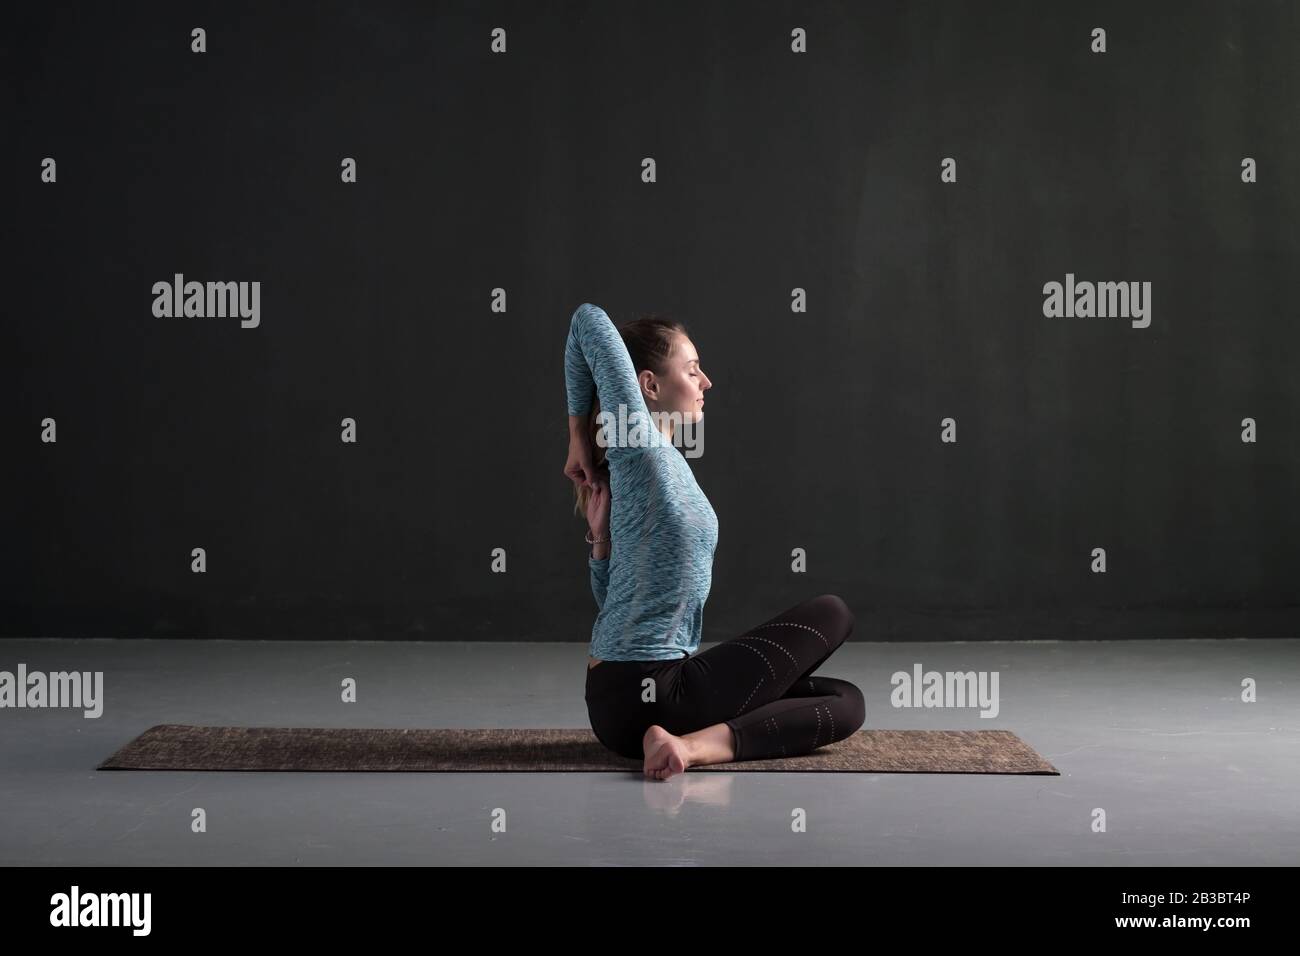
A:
x: 663, y: 532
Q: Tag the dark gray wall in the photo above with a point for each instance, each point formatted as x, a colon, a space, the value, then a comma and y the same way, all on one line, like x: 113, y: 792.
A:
x: 776, y: 170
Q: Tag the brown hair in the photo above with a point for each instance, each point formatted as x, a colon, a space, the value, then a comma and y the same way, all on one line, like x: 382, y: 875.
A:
x: 649, y: 339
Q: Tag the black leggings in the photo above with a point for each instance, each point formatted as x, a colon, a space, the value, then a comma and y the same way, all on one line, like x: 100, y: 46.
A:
x: 759, y: 684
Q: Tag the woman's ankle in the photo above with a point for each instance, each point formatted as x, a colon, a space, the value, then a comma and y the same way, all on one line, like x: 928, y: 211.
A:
x: 714, y: 744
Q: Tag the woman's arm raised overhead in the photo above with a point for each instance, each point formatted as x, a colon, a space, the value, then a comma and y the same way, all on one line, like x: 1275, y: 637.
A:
x: 597, y: 362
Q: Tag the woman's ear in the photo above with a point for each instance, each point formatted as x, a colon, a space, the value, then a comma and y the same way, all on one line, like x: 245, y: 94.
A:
x: 649, y: 386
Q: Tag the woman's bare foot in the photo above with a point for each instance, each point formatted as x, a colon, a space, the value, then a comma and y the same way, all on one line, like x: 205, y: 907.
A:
x: 665, y: 754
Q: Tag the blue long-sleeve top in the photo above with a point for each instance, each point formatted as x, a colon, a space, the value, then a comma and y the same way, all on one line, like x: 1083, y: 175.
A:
x: 651, y: 589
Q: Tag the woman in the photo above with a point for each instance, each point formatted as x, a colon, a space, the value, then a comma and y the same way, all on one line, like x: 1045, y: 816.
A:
x: 653, y: 534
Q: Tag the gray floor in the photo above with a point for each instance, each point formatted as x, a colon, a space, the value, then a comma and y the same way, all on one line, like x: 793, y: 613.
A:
x: 1152, y: 732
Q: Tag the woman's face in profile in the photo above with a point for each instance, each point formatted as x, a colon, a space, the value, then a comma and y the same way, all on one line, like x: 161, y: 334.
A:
x: 683, y: 384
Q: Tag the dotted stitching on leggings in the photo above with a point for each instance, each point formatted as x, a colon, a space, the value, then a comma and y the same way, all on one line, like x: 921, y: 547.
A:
x: 817, y: 736
x: 741, y: 643
x: 832, y: 717
x: 749, y: 698
x: 775, y: 731
x: 780, y: 648
x: 792, y: 624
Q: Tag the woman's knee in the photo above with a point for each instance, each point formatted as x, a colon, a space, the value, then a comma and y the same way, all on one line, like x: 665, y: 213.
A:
x: 849, y: 704
x: 855, y: 707
x: 836, y: 612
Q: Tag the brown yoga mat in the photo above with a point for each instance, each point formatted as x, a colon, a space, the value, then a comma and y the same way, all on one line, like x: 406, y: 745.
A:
x: 190, y: 747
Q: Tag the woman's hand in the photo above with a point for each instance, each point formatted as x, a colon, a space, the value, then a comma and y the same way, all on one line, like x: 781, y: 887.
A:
x: 578, y: 467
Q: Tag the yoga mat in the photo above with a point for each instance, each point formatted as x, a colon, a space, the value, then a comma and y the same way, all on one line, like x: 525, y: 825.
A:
x: 190, y: 747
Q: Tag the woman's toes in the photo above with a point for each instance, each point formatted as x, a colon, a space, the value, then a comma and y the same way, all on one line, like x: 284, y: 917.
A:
x: 653, y: 744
